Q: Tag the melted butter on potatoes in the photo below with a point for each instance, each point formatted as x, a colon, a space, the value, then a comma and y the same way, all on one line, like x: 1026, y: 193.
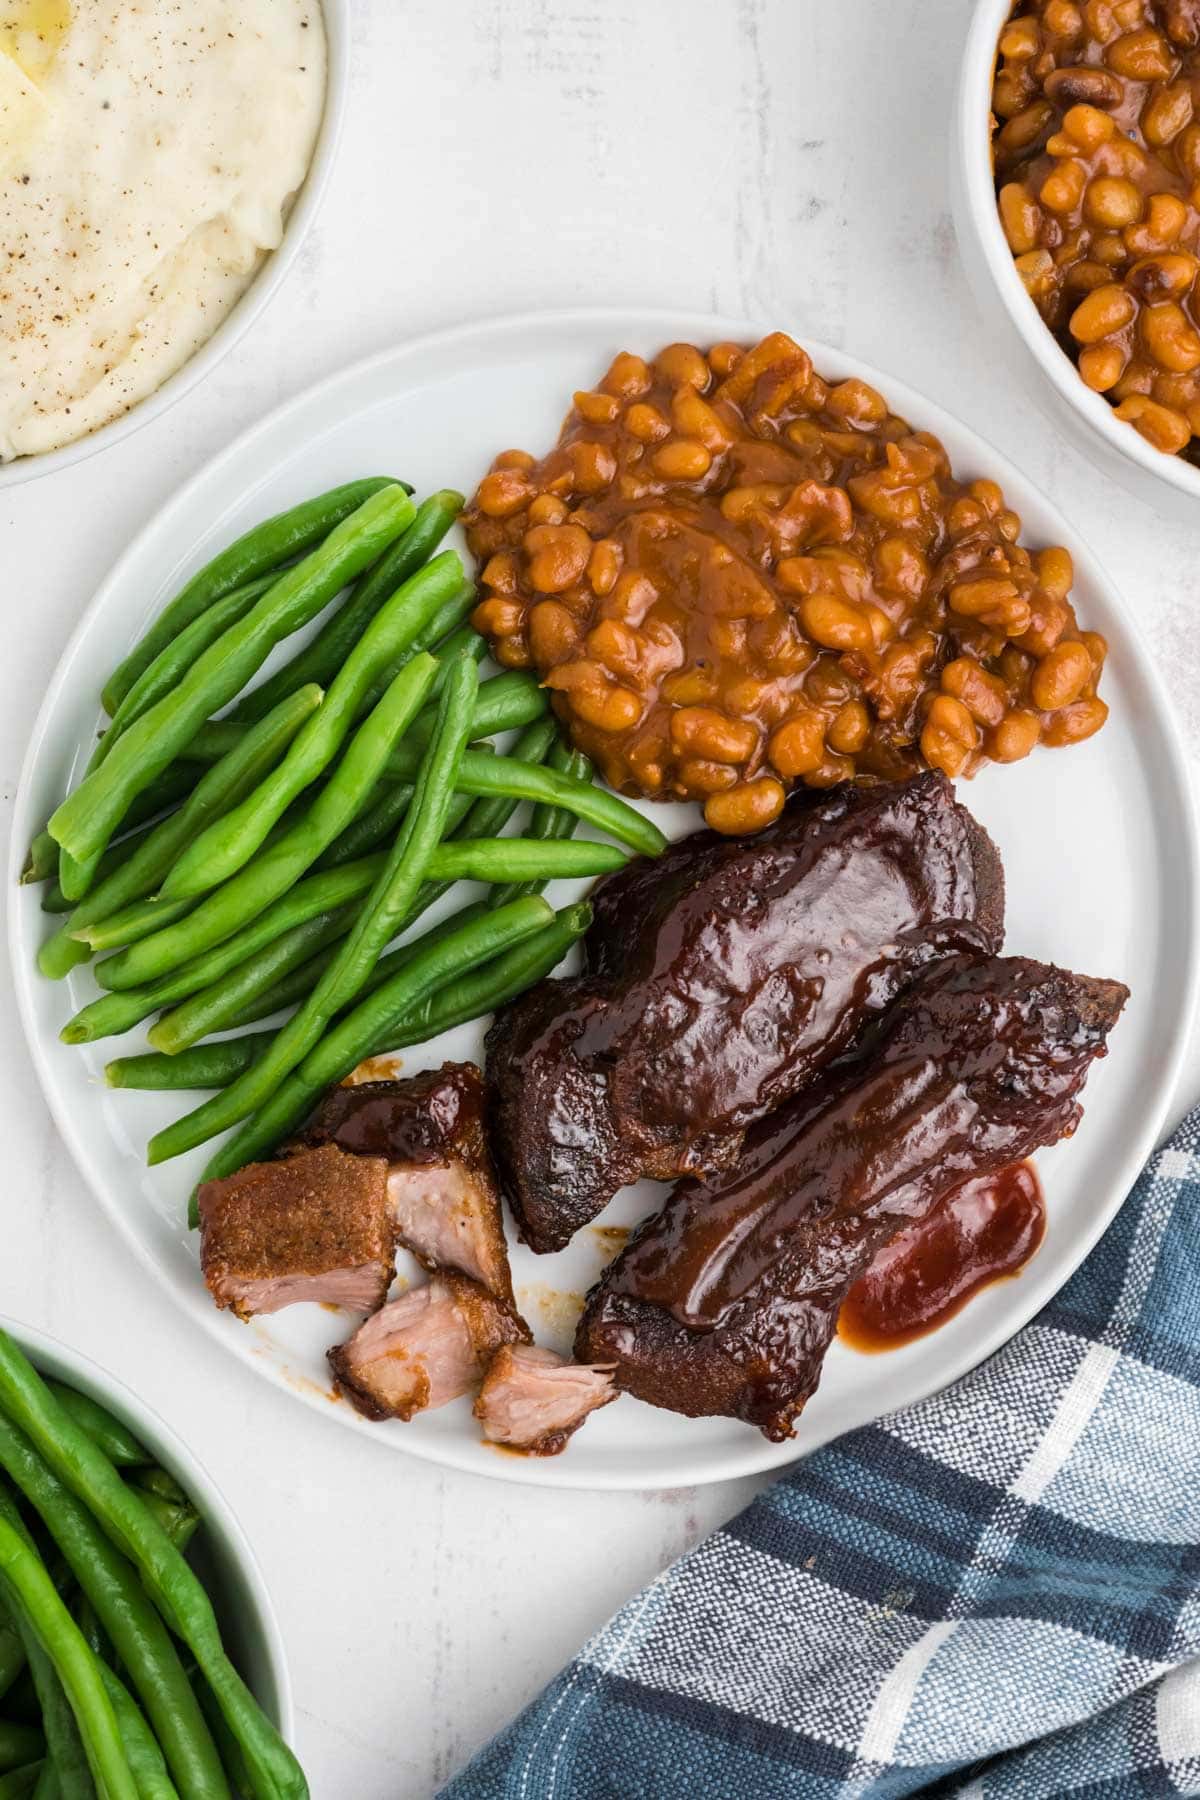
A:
x: 148, y: 153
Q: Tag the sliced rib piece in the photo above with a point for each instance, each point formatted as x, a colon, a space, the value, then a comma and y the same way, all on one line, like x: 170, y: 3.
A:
x: 310, y: 1227
x: 726, y: 1301
x: 442, y: 1190
x: 426, y: 1348
x: 533, y: 1399
x: 720, y: 978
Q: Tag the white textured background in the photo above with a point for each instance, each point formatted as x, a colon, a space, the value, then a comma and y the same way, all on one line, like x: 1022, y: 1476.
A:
x: 783, y: 158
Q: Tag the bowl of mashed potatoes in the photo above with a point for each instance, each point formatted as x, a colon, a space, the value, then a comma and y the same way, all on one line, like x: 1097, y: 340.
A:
x: 160, y: 162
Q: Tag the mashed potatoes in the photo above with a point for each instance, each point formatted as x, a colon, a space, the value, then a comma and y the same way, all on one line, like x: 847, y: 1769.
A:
x: 148, y: 151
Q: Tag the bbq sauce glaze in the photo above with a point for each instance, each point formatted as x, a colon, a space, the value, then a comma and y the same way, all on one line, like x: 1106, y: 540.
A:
x: 983, y: 1230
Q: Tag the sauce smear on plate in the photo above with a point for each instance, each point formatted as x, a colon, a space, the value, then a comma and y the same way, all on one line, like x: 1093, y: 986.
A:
x: 983, y: 1230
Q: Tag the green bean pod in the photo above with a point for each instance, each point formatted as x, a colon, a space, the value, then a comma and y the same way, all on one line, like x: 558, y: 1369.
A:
x: 63, y: 1746
x: 343, y: 1047
x: 20, y: 1783
x: 223, y: 785
x: 215, y: 1007
x: 146, y: 1760
x: 203, y: 1066
x: 389, y: 903
x: 524, y: 859
x: 549, y: 823
x: 321, y: 659
x: 230, y: 841
x: 174, y: 660
x: 463, y: 599
x: 489, y: 987
x: 166, y: 1577
x: 480, y: 774
x: 12, y: 1651
x: 488, y: 816
x: 301, y: 917
x: 24, y: 1578
x: 106, y: 1431
x: 41, y: 860
x: 19, y: 1744
x: 505, y: 703
x: 88, y: 817
x: 123, y: 1608
x: 281, y: 864
x: 255, y: 553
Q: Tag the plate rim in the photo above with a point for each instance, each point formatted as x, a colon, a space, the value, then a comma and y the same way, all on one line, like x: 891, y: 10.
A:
x: 759, y: 1457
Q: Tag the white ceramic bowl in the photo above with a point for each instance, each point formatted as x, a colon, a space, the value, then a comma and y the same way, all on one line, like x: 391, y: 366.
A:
x: 242, y: 316
x: 1086, y: 418
x: 221, y: 1550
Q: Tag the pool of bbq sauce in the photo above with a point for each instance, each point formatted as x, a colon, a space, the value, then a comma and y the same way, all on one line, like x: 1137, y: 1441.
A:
x: 982, y: 1231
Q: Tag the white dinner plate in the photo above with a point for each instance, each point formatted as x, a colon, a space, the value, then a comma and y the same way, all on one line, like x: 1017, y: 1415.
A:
x: 1098, y: 844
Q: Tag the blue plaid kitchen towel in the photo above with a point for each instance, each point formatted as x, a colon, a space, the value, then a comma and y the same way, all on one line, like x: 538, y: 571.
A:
x: 994, y: 1595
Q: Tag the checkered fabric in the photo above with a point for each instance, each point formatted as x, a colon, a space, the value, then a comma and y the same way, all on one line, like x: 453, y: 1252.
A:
x: 994, y: 1595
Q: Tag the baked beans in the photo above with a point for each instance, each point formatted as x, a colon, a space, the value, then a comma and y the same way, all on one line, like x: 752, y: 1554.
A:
x: 1097, y: 156
x: 801, y: 591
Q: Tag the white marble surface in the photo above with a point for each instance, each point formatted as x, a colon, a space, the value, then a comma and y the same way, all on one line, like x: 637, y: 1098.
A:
x: 784, y: 158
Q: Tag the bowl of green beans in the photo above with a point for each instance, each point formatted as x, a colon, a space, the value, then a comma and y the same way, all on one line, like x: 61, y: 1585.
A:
x: 139, y: 1651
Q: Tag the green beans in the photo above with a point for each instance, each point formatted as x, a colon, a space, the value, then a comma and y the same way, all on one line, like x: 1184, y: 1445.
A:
x: 230, y: 841
x: 41, y: 862
x: 123, y: 1608
x: 27, y: 1582
x: 146, y: 1760
x: 376, y: 824
x: 12, y: 1651
x: 548, y: 822
x: 281, y: 864
x: 117, y: 1442
x: 312, y: 900
x: 479, y: 774
x: 169, y: 1504
x: 388, y: 904
x: 216, y: 1065
x: 343, y: 1048
x: 222, y: 785
x: 215, y: 1007
x: 465, y: 596
x: 19, y: 1744
x: 64, y: 1748
x: 203, y: 1066
x: 505, y: 703
x: 523, y: 859
x: 166, y: 1577
x: 321, y: 659
x: 486, y: 989
x: 176, y: 658
x: 19, y: 1783
x: 87, y: 818
x: 263, y: 548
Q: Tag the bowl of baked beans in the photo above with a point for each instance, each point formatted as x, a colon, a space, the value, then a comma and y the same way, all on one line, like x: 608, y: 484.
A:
x: 1076, y: 187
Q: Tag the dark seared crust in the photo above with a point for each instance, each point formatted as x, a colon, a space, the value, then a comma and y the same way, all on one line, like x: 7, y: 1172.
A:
x: 426, y: 1118
x: 977, y: 1065
x: 490, y: 1320
x: 720, y: 979
x: 430, y: 1121
x: 310, y: 1214
x: 359, y: 1394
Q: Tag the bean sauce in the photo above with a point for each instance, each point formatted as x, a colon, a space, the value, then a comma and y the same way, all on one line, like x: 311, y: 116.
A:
x: 985, y: 1229
x: 1097, y: 154
x: 735, y: 576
